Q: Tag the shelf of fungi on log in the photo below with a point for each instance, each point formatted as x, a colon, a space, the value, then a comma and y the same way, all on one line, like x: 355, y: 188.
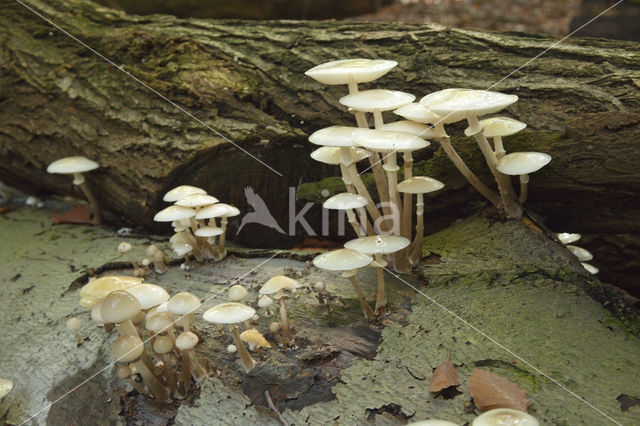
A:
x: 245, y: 81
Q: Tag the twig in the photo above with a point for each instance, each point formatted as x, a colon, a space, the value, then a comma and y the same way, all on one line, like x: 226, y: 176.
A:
x: 274, y: 409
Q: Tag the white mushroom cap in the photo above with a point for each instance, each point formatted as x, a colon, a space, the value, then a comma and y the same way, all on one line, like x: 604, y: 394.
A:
x: 96, y: 314
x: 179, y: 192
x: 378, y: 244
x: 333, y: 136
x: 342, y: 260
x: 417, y: 112
x: 162, y: 345
x: 232, y: 211
x: 69, y: 165
x: 592, y: 269
x: 279, y: 283
x: 345, y: 200
x: 420, y: 185
x: 455, y: 104
x: 237, y: 293
x: 255, y: 338
x: 186, y: 340
x: 159, y: 322
x: 433, y: 422
x: 522, y: 163
x: 149, y: 295
x: 332, y: 155
x: 229, y: 313
x: 97, y: 289
x: 182, y: 249
x: 350, y: 70
x: 505, y: 417
x: 501, y: 126
x: 5, y: 387
x: 209, y: 231
x: 265, y: 301
x: 196, y: 200
x: 124, y: 247
x: 183, y: 303
x: 214, y: 210
x: 381, y: 141
x: 232, y: 349
x: 409, y: 126
x: 118, y: 307
x: 127, y: 348
x: 377, y: 99
x: 582, y: 254
x: 568, y: 238
x: 163, y: 307
x: 174, y: 212
x: 73, y: 324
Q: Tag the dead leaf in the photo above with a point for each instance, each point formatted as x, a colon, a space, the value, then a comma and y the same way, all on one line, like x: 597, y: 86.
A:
x: 5, y: 209
x: 490, y: 391
x: 444, y: 376
x: 79, y: 214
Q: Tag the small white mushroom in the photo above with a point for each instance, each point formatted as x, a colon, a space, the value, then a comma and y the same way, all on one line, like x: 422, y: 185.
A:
x: 77, y: 166
x: 504, y: 417
x: 73, y: 325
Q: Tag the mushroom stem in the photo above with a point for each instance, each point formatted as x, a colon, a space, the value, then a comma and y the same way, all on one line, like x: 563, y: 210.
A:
x: 391, y: 166
x: 377, y: 118
x: 80, y: 181
x: 407, y: 208
x: 415, y: 249
x: 351, y: 216
x: 136, y: 386
x: 381, y: 299
x: 366, y: 309
x: 361, y: 189
x: 287, y: 337
x: 194, y: 369
x: 511, y: 207
x: 221, y: 250
x: 524, y: 188
x: 157, y: 389
x: 483, y: 189
x: 248, y: 362
x: 498, y: 147
x: 168, y: 373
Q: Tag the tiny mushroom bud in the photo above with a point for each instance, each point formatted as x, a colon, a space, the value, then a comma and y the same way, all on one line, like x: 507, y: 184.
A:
x: 73, y: 325
x: 77, y: 166
x: 232, y: 349
x: 274, y: 327
x: 124, y: 247
x: 237, y: 293
x: 159, y: 259
x: 124, y: 372
x: 233, y: 313
x: 265, y: 303
x: 504, y: 416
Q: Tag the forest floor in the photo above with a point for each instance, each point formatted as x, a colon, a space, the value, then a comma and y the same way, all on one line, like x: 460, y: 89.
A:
x: 494, y: 295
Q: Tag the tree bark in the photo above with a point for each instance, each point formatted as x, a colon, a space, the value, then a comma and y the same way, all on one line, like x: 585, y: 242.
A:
x: 246, y: 81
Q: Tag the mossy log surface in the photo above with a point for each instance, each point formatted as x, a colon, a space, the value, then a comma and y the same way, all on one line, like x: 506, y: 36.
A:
x: 581, y: 100
x: 505, y: 279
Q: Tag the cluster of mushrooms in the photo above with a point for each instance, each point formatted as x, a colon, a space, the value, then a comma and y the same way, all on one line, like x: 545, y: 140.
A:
x: 156, y: 341
x: 583, y: 255
x: 387, y: 226
x: 193, y: 217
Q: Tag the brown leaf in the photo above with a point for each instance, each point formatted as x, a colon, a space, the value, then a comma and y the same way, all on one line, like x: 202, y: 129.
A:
x: 79, y: 214
x: 491, y: 391
x: 444, y: 376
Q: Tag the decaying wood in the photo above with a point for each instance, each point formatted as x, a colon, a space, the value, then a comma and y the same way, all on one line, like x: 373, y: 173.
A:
x: 245, y: 80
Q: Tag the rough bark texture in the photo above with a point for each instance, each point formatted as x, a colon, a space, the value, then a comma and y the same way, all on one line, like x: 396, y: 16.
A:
x: 245, y: 79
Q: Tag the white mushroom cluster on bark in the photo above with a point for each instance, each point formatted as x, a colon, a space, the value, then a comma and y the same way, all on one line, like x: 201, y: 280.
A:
x: 145, y: 312
x: 582, y: 254
x: 194, y: 217
x: 380, y: 145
